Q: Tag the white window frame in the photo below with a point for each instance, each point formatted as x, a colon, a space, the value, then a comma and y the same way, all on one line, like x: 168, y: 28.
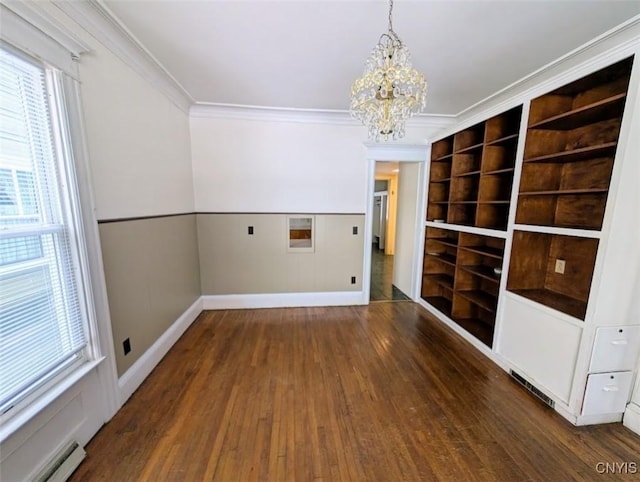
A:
x: 22, y: 38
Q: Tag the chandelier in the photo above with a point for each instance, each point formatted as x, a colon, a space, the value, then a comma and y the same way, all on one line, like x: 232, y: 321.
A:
x: 390, y: 89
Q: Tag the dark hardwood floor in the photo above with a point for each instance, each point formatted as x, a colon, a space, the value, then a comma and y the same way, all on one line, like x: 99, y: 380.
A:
x: 382, y: 288
x: 375, y: 393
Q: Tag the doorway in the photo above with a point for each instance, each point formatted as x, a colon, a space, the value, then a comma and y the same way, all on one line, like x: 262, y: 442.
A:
x: 386, y: 271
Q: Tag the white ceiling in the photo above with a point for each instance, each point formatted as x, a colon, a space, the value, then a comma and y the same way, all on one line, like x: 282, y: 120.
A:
x: 305, y: 54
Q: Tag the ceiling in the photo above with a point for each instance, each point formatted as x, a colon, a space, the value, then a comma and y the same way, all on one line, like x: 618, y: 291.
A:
x: 305, y: 54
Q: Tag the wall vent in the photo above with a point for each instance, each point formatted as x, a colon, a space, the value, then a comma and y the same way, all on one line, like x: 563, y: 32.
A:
x: 533, y: 389
x: 63, y: 465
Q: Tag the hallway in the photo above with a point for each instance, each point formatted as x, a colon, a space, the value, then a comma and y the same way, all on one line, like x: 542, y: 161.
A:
x: 382, y: 288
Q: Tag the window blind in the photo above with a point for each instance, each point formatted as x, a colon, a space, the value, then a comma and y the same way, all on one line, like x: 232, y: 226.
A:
x: 42, y: 320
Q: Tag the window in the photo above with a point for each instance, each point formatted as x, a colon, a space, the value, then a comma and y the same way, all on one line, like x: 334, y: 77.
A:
x: 43, y: 316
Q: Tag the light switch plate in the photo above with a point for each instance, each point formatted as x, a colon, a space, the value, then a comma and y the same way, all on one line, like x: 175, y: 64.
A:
x: 560, y: 265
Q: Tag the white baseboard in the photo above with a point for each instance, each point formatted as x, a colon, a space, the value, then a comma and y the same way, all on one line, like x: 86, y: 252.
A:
x: 598, y: 419
x: 136, y: 374
x: 631, y: 418
x: 283, y: 300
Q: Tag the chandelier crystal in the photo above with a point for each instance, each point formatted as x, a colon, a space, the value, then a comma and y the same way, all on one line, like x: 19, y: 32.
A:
x: 390, y: 89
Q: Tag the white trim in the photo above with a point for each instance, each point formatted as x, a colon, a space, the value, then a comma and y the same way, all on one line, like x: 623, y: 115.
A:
x: 304, y: 116
x: 598, y: 419
x: 48, y: 25
x: 27, y: 38
x: 493, y: 233
x: 140, y: 370
x: 631, y: 418
x: 96, y: 18
x: 25, y: 416
x: 282, y: 300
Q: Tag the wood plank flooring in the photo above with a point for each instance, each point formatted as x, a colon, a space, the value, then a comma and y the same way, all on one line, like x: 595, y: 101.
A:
x: 375, y: 393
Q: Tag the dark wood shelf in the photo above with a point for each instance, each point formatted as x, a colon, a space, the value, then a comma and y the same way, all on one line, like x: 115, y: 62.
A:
x: 469, y: 173
x: 482, y: 271
x: 446, y: 179
x: 590, y: 152
x: 445, y: 258
x: 557, y: 301
x: 604, y: 109
x: 446, y: 157
x: 478, y: 328
x: 499, y: 171
x: 443, y: 280
x: 439, y: 202
x: 564, y: 192
x: 480, y: 298
x: 463, y: 202
x: 497, y: 201
x: 472, y: 148
x: 445, y: 241
x: 440, y: 303
x: 485, y: 251
x: 502, y: 140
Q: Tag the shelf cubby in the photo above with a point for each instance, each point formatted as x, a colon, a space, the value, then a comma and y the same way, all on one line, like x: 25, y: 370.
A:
x: 554, y: 270
x: 478, y: 175
x: 459, y: 278
x: 569, y: 152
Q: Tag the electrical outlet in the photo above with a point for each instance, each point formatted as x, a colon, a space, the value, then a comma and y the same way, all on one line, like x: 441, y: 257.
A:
x: 355, y: 230
x: 560, y: 265
x: 353, y: 280
x: 126, y: 346
x: 250, y: 230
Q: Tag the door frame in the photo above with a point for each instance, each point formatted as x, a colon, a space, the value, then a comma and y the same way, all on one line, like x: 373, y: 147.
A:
x: 401, y: 153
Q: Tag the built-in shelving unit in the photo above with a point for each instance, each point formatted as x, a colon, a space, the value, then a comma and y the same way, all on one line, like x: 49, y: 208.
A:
x: 549, y: 327
x: 472, y: 173
x: 571, y: 142
x: 461, y: 278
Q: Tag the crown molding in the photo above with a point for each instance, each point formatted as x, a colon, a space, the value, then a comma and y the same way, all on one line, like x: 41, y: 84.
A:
x: 304, y: 116
x: 101, y: 23
x: 614, y: 44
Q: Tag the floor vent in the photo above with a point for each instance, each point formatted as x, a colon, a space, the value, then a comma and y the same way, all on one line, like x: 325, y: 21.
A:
x: 61, y: 468
x: 533, y: 389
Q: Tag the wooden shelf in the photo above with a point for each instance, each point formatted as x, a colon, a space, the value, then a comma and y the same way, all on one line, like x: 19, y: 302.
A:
x: 503, y: 140
x: 446, y: 179
x: 604, y: 109
x: 439, y: 202
x: 484, y: 251
x: 440, y: 303
x: 480, y: 329
x: 482, y: 271
x: 446, y: 157
x: 472, y: 148
x: 480, y: 298
x: 499, y: 171
x: 463, y: 202
x: 443, y: 280
x: 445, y: 258
x: 564, y: 192
x: 470, y: 173
x: 557, y: 301
x: 498, y: 201
x: 445, y: 241
x: 590, y: 152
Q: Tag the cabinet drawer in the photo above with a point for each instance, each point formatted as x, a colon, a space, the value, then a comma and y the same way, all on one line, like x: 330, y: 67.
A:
x: 607, y: 393
x: 615, y: 348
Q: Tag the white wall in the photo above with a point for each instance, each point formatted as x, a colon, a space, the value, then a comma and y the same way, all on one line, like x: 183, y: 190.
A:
x: 261, y: 166
x: 406, y: 227
x: 139, y: 143
x: 243, y: 165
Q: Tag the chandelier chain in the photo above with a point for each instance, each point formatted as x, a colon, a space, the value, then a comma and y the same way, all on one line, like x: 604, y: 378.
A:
x: 391, y: 17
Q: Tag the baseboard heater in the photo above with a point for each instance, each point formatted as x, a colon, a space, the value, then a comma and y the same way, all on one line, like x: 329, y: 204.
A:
x: 532, y: 388
x: 63, y: 465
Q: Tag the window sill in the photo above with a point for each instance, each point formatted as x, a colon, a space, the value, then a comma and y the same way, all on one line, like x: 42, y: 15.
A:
x: 21, y: 418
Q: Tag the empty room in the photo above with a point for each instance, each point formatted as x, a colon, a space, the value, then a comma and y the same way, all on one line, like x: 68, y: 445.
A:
x: 319, y: 240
